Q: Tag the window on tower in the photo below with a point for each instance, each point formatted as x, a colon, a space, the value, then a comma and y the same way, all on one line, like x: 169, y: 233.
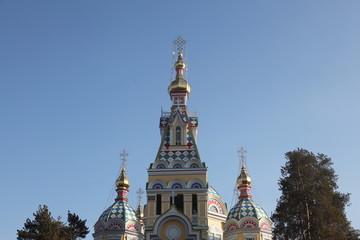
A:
x: 158, y: 204
x: 178, y: 201
x: 178, y: 136
x: 194, y: 204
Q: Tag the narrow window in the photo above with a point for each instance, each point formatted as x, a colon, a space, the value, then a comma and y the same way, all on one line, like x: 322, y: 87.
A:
x: 158, y: 204
x: 194, y: 204
x: 178, y: 136
x: 179, y: 202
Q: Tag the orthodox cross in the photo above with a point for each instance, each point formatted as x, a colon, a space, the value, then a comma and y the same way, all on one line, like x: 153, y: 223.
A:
x: 139, y: 193
x: 123, y: 160
x: 180, y: 43
x: 179, y: 46
x: 242, y: 157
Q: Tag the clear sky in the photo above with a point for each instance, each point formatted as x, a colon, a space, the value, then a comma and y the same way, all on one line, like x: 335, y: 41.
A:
x: 82, y: 80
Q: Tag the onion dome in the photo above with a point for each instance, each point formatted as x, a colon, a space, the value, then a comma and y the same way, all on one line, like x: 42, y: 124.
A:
x: 244, y: 177
x: 179, y: 83
x: 139, y: 212
x: 122, y: 180
x: 120, y: 219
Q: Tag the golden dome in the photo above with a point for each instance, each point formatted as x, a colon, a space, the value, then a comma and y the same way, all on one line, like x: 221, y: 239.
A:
x: 180, y: 63
x: 244, y: 178
x: 139, y: 212
x: 179, y: 83
x: 122, y: 180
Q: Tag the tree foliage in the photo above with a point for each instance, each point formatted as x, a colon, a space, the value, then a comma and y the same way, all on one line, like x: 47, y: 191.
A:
x: 310, y: 207
x: 46, y: 227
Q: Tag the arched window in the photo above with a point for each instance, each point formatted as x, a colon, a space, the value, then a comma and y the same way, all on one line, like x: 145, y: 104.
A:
x: 178, y: 136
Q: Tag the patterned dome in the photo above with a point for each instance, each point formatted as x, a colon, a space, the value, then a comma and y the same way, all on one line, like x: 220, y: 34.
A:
x: 119, y: 210
x: 120, y: 219
x: 215, y: 203
x: 247, y: 208
x: 247, y: 217
x: 212, y: 191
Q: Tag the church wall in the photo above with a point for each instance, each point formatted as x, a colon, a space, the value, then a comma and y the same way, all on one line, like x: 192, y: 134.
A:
x: 183, y: 178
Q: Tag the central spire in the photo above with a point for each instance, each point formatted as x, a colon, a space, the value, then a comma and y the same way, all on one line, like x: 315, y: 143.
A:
x: 179, y: 88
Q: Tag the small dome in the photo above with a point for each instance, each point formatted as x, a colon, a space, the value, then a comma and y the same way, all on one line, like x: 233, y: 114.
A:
x: 179, y: 63
x: 122, y: 180
x: 247, y: 208
x: 139, y: 212
x: 212, y: 191
x: 120, y: 218
x: 120, y: 210
x: 244, y: 178
x: 215, y: 203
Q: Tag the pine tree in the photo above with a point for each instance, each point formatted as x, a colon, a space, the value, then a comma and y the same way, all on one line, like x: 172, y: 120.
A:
x: 46, y: 227
x: 76, y: 227
x: 310, y: 207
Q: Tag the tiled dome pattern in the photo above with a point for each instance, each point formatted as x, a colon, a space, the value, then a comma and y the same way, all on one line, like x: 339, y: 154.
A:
x: 246, y: 208
x: 119, y: 210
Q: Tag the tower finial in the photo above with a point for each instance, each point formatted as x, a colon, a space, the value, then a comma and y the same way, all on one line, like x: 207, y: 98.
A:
x: 179, y: 84
x: 242, y: 162
x: 244, y: 180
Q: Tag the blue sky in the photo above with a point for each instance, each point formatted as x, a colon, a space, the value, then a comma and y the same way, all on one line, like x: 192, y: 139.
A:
x: 82, y: 80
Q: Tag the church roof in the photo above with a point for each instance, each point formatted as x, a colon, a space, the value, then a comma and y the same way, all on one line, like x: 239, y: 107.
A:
x: 212, y: 191
x: 247, y: 208
x: 119, y: 210
x: 120, y: 216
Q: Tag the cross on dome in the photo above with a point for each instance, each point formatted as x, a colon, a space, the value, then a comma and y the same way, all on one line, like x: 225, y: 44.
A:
x: 139, y: 193
x: 124, y: 159
x: 242, y: 157
x: 180, y: 44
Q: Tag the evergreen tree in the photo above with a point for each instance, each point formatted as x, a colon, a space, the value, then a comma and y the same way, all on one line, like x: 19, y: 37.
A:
x: 310, y: 207
x: 76, y: 227
x: 46, y: 227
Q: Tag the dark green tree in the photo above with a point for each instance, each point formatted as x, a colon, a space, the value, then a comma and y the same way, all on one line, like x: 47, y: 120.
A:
x: 46, y: 227
x: 310, y: 207
x: 76, y: 227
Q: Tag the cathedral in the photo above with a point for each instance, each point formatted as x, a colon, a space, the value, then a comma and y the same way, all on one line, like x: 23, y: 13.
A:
x: 181, y: 204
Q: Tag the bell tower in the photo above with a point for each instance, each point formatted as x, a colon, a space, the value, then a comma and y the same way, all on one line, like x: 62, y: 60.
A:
x: 177, y: 179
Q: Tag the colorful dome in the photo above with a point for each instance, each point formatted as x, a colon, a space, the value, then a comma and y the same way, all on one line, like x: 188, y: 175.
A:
x: 247, y: 218
x: 244, y: 177
x: 212, y: 191
x: 247, y: 208
x: 120, y: 218
x: 215, y: 203
x: 119, y: 210
x: 122, y: 180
